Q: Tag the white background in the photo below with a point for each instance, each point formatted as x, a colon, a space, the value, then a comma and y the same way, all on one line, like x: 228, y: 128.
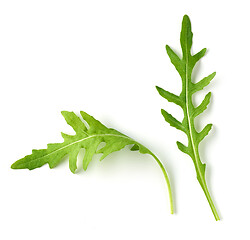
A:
x: 105, y: 57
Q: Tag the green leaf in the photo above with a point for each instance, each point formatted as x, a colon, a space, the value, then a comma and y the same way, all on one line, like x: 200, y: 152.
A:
x: 88, y: 138
x: 185, y: 68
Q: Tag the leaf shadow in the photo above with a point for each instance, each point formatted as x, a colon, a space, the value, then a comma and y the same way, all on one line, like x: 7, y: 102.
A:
x: 126, y: 163
x: 64, y: 162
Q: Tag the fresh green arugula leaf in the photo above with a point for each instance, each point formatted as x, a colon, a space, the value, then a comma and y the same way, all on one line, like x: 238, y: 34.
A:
x: 88, y: 138
x: 185, y: 67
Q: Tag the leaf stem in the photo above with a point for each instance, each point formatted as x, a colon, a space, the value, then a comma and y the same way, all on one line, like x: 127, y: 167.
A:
x: 167, y: 181
x: 210, y: 201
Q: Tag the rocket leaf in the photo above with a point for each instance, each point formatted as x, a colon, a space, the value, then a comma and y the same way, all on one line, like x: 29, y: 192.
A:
x: 185, y: 67
x: 88, y: 138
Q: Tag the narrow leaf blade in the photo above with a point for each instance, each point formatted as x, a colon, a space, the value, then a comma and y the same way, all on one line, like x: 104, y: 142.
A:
x: 186, y: 37
x: 183, y: 148
x: 203, y: 83
x: 198, y: 56
x: 170, y: 96
x: 203, y: 106
x: 175, y: 60
x: 172, y: 121
x: 204, y: 132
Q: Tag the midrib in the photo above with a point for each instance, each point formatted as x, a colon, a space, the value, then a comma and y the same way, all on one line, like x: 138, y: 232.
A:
x: 189, y: 120
x: 82, y: 140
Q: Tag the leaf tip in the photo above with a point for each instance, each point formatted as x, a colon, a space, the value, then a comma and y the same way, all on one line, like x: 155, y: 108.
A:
x: 208, y: 96
x: 210, y: 125
x: 168, y: 49
x: 18, y: 165
x: 73, y: 170
x: 14, y: 166
x: 158, y: 89
x: 163, y: 111
x: 65, y: 113
x: 204, y: 50
x: 186, y: 18
x: 82, y: 112
x: 84, y: 115
x: 84, y: 167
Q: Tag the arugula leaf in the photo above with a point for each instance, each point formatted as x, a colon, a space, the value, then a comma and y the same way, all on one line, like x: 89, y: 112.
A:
x: 88, y: 138
x: 185, y: 67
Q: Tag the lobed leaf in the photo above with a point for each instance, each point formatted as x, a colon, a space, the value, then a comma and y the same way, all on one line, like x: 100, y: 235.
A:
x: 87, y: 138
x: 185, y: 67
